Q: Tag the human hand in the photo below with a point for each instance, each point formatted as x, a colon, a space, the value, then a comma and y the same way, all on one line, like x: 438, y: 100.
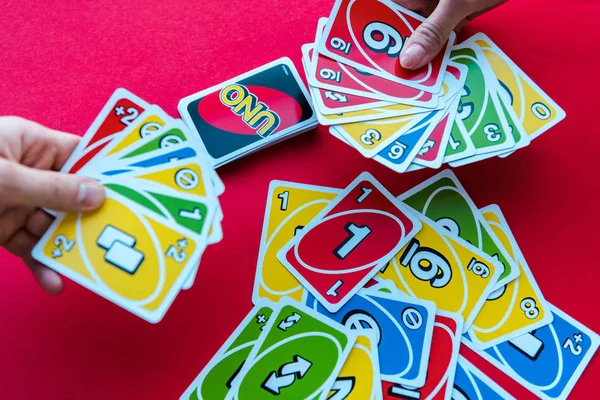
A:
x: 444, y: 16
x: 29, y: 156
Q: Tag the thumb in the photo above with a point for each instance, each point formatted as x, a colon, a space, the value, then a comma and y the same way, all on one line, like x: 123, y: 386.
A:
x: 429, y: 38
x: 24, y: 186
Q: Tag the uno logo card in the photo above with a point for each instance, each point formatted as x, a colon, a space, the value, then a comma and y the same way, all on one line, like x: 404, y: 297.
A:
x: 134, y: 259
x: 258, y: 107
x: 215, y: 379
x: 472, y: 384
x: 290, y: 207
x: 443, y: 199
x: 447, y: 333
x: 121, y: 109
x: 369, y: 35
x: 516, y: 308
x: 299, y: 355
x: 403, y: 328
x: 548, y: 361
x: 348, y: 242
x: 438, y: 266
x: 359, y: 378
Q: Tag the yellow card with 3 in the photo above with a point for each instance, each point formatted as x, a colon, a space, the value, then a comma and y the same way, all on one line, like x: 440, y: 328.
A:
x: 536, y: 111
x: 359, y: 378
x: 290, y: 207
x: 516, y: 308
x: 133, y: 259
x: 436, y: 265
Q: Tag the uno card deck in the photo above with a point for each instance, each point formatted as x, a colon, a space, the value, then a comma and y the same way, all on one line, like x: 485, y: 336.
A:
x: 369, y: 35
x: 359, y: 378
x: 403, y: 327
x: 215, y: 379
x: 549, y: 360
x: 298, y: 355
x: 445, y: 343
x: 348, y: 242
x: 437, y: 265
x: 290, y: 207
x: 472, y: 384
x: 443, y: 199
x: 517, y: 307
x: 253, y: 110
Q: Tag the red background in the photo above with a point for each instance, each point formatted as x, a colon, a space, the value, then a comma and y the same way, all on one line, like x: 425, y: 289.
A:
x: 61, y: 60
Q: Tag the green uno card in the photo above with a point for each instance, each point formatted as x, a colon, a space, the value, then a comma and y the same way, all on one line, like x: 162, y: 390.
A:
x: 298, y: 356
x: 214, y: 382
x: 443, y: 199
x: 460, y: 144
x: 480, y: 109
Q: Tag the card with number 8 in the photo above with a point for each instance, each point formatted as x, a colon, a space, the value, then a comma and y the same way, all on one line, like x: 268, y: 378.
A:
x: 349, y: 241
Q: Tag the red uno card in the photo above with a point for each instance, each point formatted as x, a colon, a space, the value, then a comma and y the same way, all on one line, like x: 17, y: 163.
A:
x: 121, y: 109
x: 349, y: 241
x: 370, y: 34
x: 443, y: 356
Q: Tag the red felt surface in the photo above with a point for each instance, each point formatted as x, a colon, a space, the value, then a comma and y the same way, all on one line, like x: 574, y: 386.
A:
x: 60, y: 61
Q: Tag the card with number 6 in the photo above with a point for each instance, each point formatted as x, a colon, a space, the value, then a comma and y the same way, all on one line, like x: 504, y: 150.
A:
x: 349, y: 241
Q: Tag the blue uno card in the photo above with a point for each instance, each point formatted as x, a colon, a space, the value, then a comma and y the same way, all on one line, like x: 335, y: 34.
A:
x: 547, y: 361
x: 472, y: 384
x: 404, y: 328
x: 165, y: 158
x: 399, y: 154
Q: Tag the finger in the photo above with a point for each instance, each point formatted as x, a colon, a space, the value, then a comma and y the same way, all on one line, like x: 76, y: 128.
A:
x: 418, y: 6
x: 11, y: 221
x: 21, y: 244
x: 429, y: 38
x: 24, y: 186
x: 480, y: 12
x: 39, y: 145
x: 38, y: 222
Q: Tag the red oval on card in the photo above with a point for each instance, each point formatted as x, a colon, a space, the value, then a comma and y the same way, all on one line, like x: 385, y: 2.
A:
x: 348, y: 242
x: 258, y: 110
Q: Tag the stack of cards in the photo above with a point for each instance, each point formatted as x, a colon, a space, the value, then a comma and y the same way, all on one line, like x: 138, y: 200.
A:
x: 360, y: 295
x: 162, y: 209
x: 250, y: 112
x: 470, y: 103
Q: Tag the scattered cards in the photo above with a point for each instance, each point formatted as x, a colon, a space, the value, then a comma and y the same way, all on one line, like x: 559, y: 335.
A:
x: 162, y: 210
x: 470, y: 103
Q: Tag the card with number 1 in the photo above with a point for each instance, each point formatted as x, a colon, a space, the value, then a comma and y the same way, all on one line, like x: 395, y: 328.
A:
x: 349, y: 241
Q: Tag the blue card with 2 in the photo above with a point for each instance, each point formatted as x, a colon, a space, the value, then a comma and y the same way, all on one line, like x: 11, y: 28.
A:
x: 547, y: 361
x: 403, y: 327
x: 472, y: 384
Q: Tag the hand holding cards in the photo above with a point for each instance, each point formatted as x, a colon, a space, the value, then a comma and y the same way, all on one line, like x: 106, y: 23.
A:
x: 161, y: 211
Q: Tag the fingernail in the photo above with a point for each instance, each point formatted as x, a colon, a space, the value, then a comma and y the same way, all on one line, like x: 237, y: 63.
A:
x: 90, y: 195
x: 412, y: 56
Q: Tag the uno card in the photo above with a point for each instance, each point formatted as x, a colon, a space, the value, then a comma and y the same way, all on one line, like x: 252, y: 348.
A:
x: 121, y: 109
x: 215, y: 379
x: 480, y: 109
x: 359, y: 378
x: 299, y: 355
x: 443, y: 199
x: 133, y: 258
x: 403, y: 327
x: 460, y: 144
x: 436, y: 265
x: 535, y: 110
x: 369, y: 35
x: 326, y: 73
x: 549, y: 360
x: 290, y: 207
x: 348, y: 242
x: 472, y: 384
x: 513, y: 309
x: 447, y: 332
x: 250, y: 111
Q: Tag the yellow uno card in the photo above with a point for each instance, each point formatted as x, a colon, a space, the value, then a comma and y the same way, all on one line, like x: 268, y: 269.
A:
x: 133, y: 259
x: 536, y: 111
x: 290, y: 207
x: 147, y: 124
x: 436, y: 265
x: 516, y: 308
x: 359, y: 378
